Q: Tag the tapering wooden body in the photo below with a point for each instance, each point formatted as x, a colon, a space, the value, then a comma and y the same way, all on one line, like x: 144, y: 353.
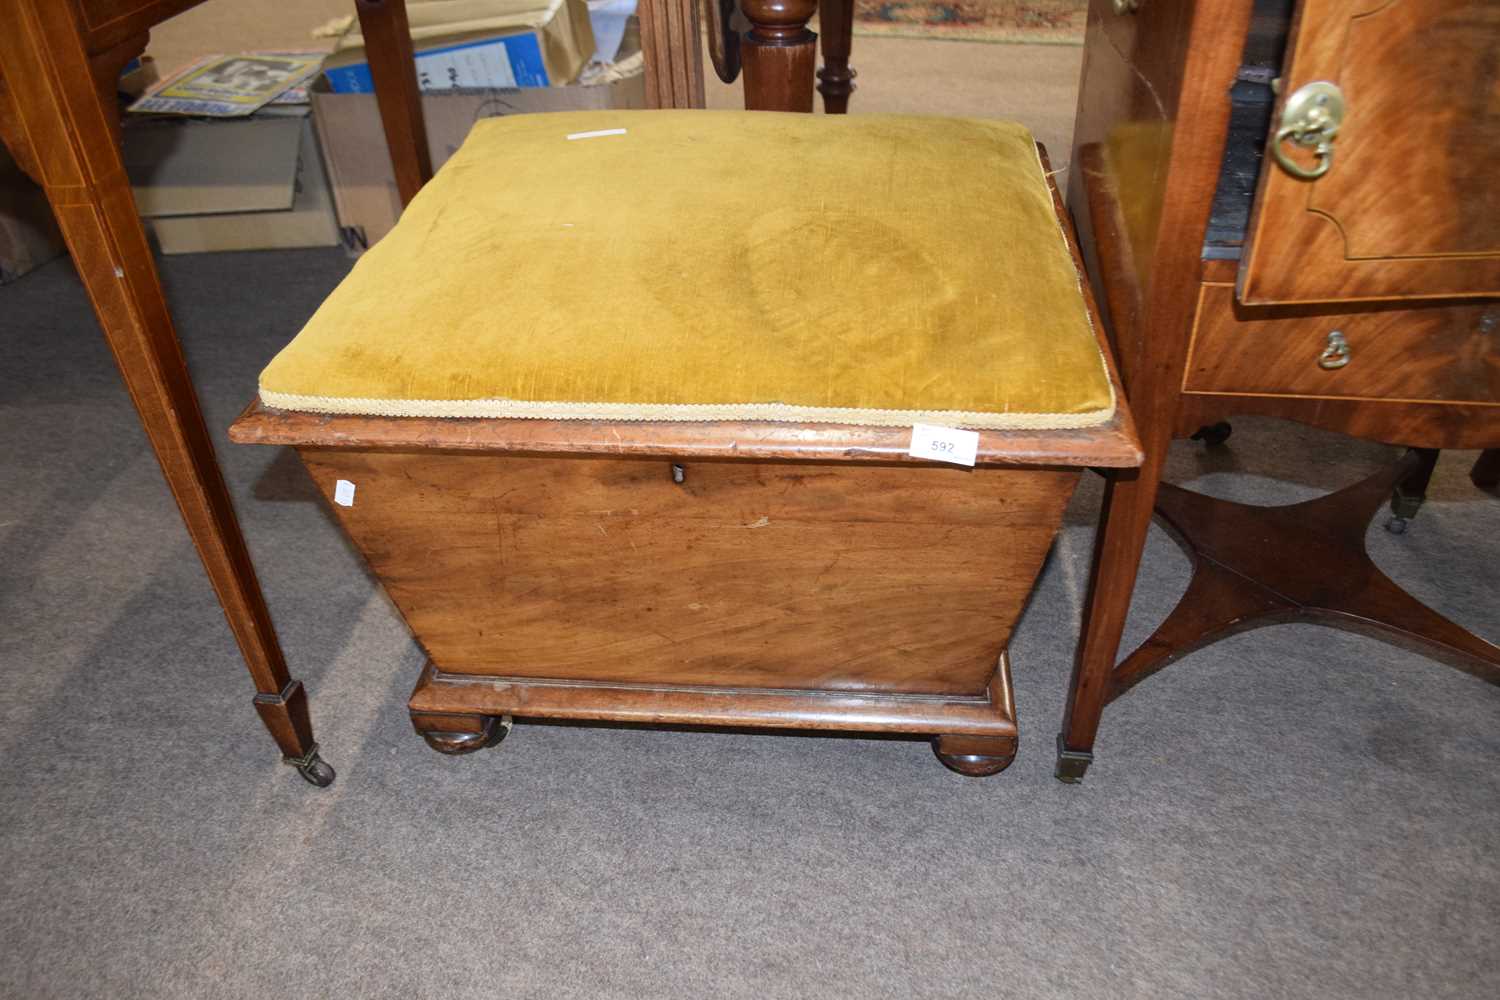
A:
x: 846, y: 594
x: 699, y: 574
x: 850, y: 577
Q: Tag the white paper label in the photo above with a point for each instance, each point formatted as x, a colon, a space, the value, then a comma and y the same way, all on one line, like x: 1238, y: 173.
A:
x: 343, y: 492
x: 597, y: 133
x: 943, y: 444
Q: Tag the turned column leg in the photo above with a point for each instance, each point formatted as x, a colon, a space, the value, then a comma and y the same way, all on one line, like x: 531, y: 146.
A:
x: 388, y: 43
x: 67, y: 126
x: 836, y: 79
x: 778, y: 54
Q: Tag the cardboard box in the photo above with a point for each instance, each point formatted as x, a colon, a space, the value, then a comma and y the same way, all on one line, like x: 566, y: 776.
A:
x: 359, y: 164
x: 28, y: 235
x: 468, y: 44
x: 249, y: 184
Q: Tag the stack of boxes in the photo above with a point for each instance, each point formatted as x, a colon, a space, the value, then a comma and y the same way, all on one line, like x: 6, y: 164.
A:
x: 475, y: 59
x: 478, y: 44
x: 311, y: 168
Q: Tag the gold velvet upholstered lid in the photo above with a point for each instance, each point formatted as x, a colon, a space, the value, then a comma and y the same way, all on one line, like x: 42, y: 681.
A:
x: 698, y: 265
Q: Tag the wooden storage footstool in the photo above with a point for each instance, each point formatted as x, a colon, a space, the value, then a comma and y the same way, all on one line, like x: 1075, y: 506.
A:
x: 620, y: 413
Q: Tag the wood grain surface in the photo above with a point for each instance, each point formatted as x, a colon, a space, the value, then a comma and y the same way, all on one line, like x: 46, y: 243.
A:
x: 1399, y: 422
x: 673, y: 56
x: 1113, y: 444
x: 1441, y: 354
x: 1410, y: 208
x: 778, y: 54
x: 744, y: 574
x: 1240, y: 582
x: 440, y: 697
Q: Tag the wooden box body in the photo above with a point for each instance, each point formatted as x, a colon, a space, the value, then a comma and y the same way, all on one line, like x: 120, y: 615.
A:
x: 739, y: 574
x: 861, y: 578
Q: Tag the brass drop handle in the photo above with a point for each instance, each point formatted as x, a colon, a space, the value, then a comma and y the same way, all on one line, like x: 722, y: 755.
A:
x: 1310, y: 119
x: 1336, y: 354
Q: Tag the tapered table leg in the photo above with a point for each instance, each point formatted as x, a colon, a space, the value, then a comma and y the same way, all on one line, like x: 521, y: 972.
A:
x: 1124, y: 519
x: 836, y: 32
x: 66, y: 128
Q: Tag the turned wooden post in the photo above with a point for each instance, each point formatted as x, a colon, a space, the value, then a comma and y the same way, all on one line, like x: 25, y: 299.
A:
x: 778, y: 53
x: 836, y: 79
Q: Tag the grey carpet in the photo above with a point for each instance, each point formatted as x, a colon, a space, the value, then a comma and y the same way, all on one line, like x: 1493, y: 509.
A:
x: 1295, y: 812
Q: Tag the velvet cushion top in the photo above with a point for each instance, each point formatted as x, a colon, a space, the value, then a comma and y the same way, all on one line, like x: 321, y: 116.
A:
x: 698, y: 265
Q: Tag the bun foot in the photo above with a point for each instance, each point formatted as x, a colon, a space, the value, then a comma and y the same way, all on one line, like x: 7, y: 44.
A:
x: 975, y: 756
x: 460, y: 734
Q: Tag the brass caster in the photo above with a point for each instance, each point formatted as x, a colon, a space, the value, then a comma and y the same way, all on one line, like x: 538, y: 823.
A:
x: 313, y: 768
x: 1071, y: 764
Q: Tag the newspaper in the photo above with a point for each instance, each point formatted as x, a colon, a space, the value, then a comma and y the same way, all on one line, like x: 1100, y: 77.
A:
x: 231, y: 86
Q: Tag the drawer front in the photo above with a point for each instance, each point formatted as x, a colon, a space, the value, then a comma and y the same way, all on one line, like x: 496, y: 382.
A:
x: 1447, y: 354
